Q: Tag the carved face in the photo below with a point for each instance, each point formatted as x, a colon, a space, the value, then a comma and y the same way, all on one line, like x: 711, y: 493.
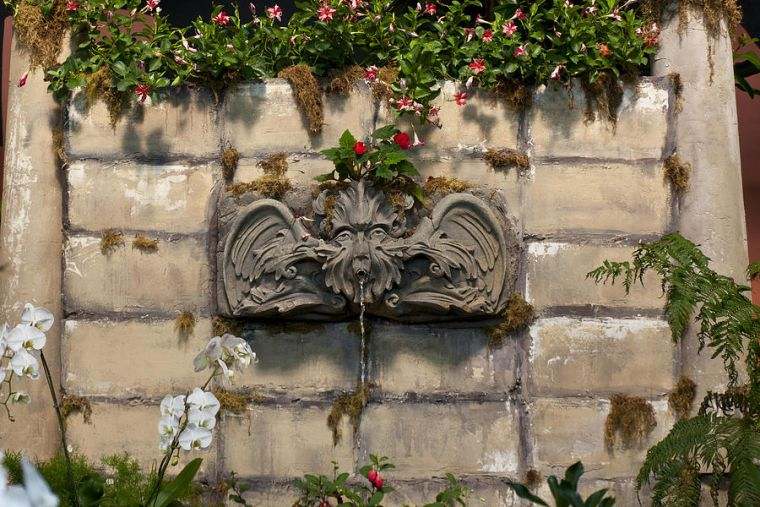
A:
x: 363, y: 251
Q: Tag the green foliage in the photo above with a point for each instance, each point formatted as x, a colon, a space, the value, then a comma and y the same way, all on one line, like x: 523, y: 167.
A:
x: 565, y: 491
x: 724, y: 438
x: 746, y: 64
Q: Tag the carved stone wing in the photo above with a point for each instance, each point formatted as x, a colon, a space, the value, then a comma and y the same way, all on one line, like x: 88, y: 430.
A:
x: 270, y: 267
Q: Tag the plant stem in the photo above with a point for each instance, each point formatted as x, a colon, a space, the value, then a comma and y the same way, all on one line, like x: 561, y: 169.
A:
x: 62, y: 427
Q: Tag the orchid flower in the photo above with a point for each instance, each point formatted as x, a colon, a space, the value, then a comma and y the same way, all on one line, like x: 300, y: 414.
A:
x: 24, y: 364
x: 173, y: 406
x: 194, y: 437
x: 40, y: 317
x: 26, y: 337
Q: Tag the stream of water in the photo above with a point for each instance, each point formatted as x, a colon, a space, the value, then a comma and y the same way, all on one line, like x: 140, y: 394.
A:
x: 361, y: 328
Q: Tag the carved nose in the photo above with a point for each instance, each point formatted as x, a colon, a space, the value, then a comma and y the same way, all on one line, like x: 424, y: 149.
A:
x: 361, y: 267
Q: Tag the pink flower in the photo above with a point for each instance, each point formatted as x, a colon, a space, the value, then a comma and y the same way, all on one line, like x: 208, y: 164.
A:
x: 22, y: 79
x: 142, y: 91
x: 417, y: 141
x: 487, y: 35
x: 221, y: 19
x: 188, y: 46
x: 479, y: 20
x: 616, y: 15
x: 274, y: 12
x: 354, y: 4
x: 370, y: 74
x: 477, y: 66
x: 71, y: 5
x: 519, y: 51
x: 152, y: 4
x: 519, y: 14
x: 325, y: 13
x: 509, y: 28
x: 405, y: 104
x: 460, y: 98
x: 469, y: 33
x: 430, y: 8
x: 432, y: 115
x: 557, y: 72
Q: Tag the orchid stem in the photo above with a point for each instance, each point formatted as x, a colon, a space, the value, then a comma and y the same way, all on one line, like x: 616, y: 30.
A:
x: 62, y: 427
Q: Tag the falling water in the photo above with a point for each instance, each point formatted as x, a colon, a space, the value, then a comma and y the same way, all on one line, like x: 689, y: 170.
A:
x: 361, y: 328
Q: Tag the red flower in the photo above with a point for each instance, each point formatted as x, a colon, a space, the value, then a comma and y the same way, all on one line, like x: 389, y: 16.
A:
x: 22, y: 79
x: 378, y: 482
x: 142, y: 91
x: 519, y: 14
x: 71, y: 5
x: 430, y: 8
x: 221, y: 19
x: 509, y: 28
x: 372, y: 475
x: 477, y: 66
x: 487, y: 35
x: 460, y: 98
x: 152, y: 4
x: 402, y: 140
x: 360, y: 148
x: 604, y: 50
x: 519, y: 51
x: 370, y: 74
x: 325, y: 13
x: 274, y: 12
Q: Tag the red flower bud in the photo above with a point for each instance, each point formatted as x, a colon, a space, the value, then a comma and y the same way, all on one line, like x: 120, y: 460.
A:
x: 360, y: 148
x: 378, y: 482
x: 402, y: 140
x: 372, y: 475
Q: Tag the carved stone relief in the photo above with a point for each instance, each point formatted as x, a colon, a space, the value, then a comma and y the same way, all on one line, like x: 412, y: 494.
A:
x: 458, y: 262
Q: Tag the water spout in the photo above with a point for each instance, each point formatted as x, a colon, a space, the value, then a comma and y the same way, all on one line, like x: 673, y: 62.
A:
x: 361, y: 329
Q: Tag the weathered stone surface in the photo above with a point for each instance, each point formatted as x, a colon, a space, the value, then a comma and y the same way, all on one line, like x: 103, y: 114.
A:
x: 483, y: 491
x: 428, y: 439
x: 567, y: 430
x: 284, y: 441
x: 183, y: 125
x: 263, y: 117
x: 168, y: 198
x: 484, y: 122
x: 175, y: 278
x: 431, y: 359
x: 141, y: 357
x: 269, y: 495
x: 556, y: 276
x: 558, y: 129
x: 302, y: 168
x: 571, y: 356
x: 597, y: 197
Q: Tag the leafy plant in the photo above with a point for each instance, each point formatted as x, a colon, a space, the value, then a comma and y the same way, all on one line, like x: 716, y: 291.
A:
x: 565, y: 491
x: 722, y: 442
x: 746, y: 65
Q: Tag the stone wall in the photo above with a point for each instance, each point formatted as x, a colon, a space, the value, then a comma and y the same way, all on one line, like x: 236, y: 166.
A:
x: 446, y: 401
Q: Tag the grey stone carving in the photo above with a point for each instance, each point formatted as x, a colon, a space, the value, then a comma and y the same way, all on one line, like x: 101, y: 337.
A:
x: 459, y: 262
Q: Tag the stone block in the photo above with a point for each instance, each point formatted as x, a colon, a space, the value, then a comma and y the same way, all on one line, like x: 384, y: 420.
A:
x: 124, y: 359
x: 284, y: 441
x: 549, y: 264
x: 167, y: 198
x: 426, y: 439
x: 483, y: 491
x: 597, y: 197
x: 558, y: 127
x: 263, y: 117
x: 302, y: 168
x: 434, y: 359
x: 571, y: 356
x: 568, y: 430
x: 175, y: 278
x: 182, y: 125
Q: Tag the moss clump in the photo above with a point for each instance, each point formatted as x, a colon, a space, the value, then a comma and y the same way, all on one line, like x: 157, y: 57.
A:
x: 145, y: 244
x: 386, y: 76
x: 308, y: 94
x: 343, y: 81
x: 532, y: 478
x: 59, y: 149
x: 110, y: 240
x: 506, y: 158
x: 681, y: 399
x: 99, y: 86
x: 677, y: 171
x: 351, y: 405
x: 71, y: 404
x: 517, y: 95
x: 604, y: 96
x: 184, y: 324
x: 41, y: 34
x: 229, y: 159
x: 442, y: 185
x: 222, y: 325
x: 713, y: 13
x: 236, y: 402
x: 630, y: 417
x: 675, y: 78
x: 272, y: 184
x: 518, y: 314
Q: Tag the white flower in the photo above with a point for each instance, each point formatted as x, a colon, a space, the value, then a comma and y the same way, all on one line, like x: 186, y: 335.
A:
x: 194, y: 437
x: 168, y: 426
x: 239, y: 350
x: 204, y: 401
x: 227, y: 351
x: 20, y: 397
x: 34, y: 493
x: 3, y: 338
x: 25, y: 336
x: 173, y: 406
x: 40, y: 318
x: 209, y: 355
x: 23, y: 363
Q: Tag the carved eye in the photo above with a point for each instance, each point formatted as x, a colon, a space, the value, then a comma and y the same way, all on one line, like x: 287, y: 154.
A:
x: 377, y: 233
x: 344, y: 235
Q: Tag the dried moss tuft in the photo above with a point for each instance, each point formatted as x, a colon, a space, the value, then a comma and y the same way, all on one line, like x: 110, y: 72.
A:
x: 42, y: 35
x: 222, y: 325
x: 714, y: 12
x: 229, y: 159
x: 631, y: 418
x: 110, y: 240
x: 517, y: 95
x: 677, y: 171
x: 532, y: 479
x: 442, y: 185
x: 518, y: 314
x: 675, y: 78
x: 308, y: 94
x: 604, y: 96
x: 344, y: 80
x: 272, y: 184
x: 145, y: 244
x: 184, y: 324
x: 351, y: 405
x: 681, y: 399
x: 71, y: 404
x: 506, y: 158
x: 59, y: 149
x: 99, y: 86
x: 236, y: 402
x: 275, y: 165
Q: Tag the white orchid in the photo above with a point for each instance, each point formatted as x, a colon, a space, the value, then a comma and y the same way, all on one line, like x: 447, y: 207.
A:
x: 194, y: 437
x: 203, y: 409
x: 228, y: 352
x: 25, y: 336
x: 173, y: 406
x: 34, y: 493
x: 20, y: 397
x: 24, y: 364
x: 168, y: 427
x: 40, y: 317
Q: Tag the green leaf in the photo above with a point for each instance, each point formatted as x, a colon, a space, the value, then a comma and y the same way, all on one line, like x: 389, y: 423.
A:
x: 523, y: 492
x: 325, y: 177
x: 347, y: 141
x: 171, y: 491
x: 384, y: 133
